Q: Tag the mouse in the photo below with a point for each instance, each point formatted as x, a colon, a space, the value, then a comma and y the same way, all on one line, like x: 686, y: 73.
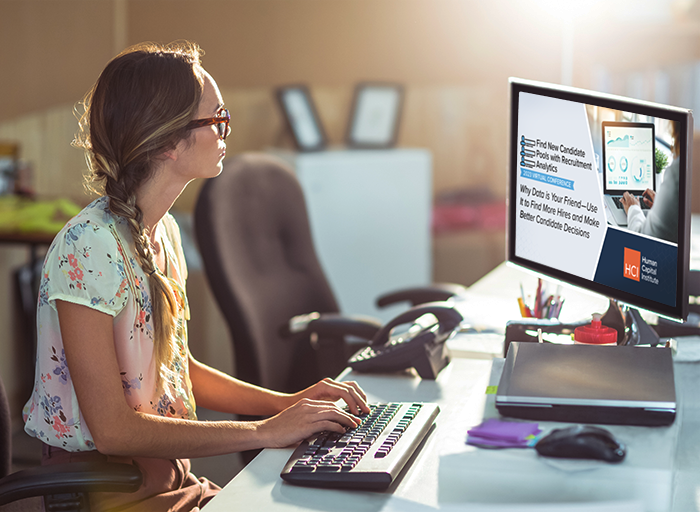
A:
x: 581, y: 442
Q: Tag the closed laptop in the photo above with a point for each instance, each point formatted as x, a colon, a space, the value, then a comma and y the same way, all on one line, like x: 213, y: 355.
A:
x: 619, y: 385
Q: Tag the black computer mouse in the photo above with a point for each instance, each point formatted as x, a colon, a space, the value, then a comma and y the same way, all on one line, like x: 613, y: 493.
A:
x: 581, y: 442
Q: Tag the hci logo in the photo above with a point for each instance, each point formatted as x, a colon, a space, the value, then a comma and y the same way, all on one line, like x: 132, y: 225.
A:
x: 632, y: 262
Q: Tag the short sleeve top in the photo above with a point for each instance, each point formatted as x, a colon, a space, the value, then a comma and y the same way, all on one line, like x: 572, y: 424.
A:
x: 92, y: 262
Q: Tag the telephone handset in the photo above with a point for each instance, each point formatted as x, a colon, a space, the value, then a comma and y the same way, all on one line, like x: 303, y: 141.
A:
x: 421, y: 346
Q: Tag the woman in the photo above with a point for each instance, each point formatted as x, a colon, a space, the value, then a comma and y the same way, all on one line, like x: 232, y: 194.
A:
x: 114, y: 376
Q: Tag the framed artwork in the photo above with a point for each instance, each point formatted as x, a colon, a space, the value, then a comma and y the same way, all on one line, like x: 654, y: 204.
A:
x: 375, y: 115
x: 301, y: 117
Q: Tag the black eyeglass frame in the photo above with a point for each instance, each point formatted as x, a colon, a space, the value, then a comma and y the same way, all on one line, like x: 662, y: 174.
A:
x: 222, y: 119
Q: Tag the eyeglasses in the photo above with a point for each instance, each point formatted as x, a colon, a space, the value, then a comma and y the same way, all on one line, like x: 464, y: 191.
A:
x: 221, y: 121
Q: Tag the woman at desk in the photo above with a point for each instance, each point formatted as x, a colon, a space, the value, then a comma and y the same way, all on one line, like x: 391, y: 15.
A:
x: 114, y: 377
x: 662, y: 218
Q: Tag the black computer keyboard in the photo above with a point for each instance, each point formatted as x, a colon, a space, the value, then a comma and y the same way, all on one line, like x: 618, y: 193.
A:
x: 367, y: 457
x: 618, y: 202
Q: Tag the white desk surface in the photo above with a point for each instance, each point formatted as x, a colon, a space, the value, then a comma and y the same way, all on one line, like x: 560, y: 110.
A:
x: 661, y: 471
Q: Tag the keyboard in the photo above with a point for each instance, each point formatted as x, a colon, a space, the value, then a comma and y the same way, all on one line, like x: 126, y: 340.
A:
x: 618, y: 202
x: 369, y: 456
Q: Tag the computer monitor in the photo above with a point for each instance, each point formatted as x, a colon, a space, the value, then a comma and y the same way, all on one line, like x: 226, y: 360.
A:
x: 573, y: 154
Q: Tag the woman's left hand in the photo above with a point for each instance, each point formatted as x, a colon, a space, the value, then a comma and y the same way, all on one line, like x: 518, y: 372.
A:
x: 331, y: 390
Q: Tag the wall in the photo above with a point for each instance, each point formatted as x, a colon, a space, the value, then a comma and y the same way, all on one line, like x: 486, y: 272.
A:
x: 441, y: 50
x: 260, y: 43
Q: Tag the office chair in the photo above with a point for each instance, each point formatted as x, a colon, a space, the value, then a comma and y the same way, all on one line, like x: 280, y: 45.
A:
x: 63, y: 486
x: 254, y: 236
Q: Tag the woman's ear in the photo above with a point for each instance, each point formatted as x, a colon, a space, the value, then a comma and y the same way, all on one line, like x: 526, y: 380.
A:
x: 169, y: 155
x: 174, y: 154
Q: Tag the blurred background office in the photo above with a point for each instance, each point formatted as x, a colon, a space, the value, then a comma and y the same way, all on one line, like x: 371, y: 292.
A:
x: 453, y: 58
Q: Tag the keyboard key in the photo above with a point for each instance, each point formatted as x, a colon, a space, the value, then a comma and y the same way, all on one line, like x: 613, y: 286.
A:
x: 303, y: 469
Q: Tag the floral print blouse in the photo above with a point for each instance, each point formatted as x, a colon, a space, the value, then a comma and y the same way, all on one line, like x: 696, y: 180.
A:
x: 92, y: 262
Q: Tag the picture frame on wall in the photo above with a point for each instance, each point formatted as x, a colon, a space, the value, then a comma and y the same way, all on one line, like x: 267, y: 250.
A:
x: 375, y: 115
x: 301, y: 117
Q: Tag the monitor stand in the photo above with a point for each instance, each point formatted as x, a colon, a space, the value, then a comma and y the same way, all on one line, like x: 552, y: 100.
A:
x: 691, y: 327
x: 631, y: 328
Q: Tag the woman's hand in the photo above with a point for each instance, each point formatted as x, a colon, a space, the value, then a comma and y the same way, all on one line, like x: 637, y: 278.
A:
x: 331, y: 390
x: 303, y: 419
x: 648, y: 197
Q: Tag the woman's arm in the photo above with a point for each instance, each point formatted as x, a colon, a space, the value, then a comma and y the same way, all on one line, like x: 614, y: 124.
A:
x: 635, y: 216
x: 119, y: 430
x: 219, y: 392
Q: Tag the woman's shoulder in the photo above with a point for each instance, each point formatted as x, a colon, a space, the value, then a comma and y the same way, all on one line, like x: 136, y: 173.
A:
x: 95, y: 221
x: 97, y: 212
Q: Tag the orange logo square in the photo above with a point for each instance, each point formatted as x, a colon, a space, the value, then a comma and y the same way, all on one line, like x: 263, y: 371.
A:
x: 632, y: 261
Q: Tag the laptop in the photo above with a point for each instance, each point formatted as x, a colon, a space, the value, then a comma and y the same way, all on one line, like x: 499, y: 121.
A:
x: 617, y: 385
x: 628, y: 165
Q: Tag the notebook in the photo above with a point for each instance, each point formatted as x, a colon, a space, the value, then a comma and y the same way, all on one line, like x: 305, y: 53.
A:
x: 618, y: 385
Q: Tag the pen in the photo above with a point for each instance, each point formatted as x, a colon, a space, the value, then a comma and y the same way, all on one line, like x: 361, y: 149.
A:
x: 543, y: 301
x: 557, y: 302
x: 548, y: 307
x: 561, y: 303
x: 523, y: 308
x: 538, y: 306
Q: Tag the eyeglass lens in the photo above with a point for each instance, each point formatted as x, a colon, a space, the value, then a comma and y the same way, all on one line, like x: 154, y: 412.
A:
x: 222, y: 127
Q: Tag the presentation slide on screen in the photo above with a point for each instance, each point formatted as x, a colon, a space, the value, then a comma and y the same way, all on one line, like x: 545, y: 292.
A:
x: 561, y: 216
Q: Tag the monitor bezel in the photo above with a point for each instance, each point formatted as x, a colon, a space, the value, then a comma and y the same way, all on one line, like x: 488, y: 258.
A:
x: 682, y: 116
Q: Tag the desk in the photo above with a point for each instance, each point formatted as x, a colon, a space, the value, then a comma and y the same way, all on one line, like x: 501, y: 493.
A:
x: 662, y: 469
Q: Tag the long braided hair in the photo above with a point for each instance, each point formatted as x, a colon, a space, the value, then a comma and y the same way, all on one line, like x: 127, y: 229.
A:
x: 137, y: 110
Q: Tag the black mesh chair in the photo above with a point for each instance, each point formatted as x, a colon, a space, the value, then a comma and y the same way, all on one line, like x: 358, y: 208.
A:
x: 64, y: 487
x: 253, y: 233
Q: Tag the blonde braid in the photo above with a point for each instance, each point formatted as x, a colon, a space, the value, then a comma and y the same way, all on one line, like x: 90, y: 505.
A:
x: 164, y: 303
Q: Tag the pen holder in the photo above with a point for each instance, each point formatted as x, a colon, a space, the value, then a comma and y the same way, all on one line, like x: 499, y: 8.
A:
x: 545, y: 306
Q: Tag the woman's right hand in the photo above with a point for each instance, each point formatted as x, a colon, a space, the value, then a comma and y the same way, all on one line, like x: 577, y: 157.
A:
x: 302, y: 420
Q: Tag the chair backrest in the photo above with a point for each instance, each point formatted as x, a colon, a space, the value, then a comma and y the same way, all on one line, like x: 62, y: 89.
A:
x: 5, y: 433
x: 253, y: 232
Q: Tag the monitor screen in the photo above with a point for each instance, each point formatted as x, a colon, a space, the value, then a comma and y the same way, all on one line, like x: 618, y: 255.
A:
x: 599, y: 193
